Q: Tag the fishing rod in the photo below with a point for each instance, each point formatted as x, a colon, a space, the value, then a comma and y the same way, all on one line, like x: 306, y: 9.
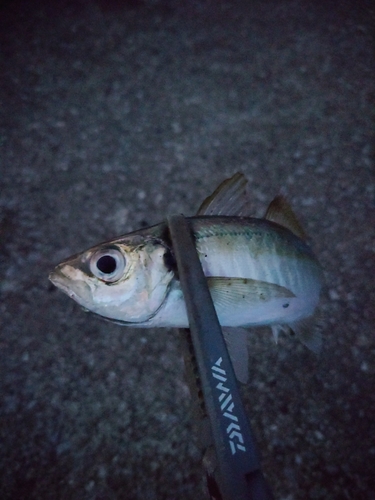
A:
x: 234, y: 471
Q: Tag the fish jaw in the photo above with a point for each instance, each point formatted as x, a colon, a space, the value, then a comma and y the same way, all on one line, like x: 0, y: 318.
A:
x: 72, y: 282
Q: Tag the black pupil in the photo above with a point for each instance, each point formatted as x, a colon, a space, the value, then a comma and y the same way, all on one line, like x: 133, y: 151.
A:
x: 106, y: 264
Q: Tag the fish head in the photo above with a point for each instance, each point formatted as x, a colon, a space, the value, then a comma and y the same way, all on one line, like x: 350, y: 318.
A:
x: 126, y: 280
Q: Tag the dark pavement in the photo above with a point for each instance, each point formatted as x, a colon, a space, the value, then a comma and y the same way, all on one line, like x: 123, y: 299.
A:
x: 114, y: 115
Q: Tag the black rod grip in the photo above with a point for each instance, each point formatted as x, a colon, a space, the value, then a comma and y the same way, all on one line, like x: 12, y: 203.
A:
x: 234, y: 442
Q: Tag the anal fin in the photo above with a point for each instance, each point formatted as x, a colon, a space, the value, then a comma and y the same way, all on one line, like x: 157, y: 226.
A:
x: 309, y: 333
x: 277, y: 329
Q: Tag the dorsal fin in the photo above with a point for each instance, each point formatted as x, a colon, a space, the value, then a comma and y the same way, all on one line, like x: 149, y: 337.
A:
x: 229, y: 198
x: 280, y: 211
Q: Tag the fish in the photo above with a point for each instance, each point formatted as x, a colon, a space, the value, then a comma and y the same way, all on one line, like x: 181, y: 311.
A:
x: 260, y: 271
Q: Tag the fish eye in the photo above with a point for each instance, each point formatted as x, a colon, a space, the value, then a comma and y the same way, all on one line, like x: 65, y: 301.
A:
x: 108, y: 264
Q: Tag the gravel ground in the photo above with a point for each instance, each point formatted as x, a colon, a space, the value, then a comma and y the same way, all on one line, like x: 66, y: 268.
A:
x: 115, y: 114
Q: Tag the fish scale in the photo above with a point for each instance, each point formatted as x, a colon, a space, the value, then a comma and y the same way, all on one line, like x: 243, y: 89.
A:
x: 262, y: 255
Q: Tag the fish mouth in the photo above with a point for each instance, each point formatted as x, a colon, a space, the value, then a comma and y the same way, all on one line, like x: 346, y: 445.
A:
x: 60, y: 281
x: 77, y: 289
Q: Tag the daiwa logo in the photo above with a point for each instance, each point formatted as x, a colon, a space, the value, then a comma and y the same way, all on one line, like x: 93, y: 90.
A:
x: 226, y: 404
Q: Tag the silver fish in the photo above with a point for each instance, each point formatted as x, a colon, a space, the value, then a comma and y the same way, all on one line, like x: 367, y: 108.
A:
x: 259, y: 271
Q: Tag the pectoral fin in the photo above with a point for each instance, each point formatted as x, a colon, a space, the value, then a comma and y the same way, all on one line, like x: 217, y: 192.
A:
x: 235, y: 292
x: 236, y: 340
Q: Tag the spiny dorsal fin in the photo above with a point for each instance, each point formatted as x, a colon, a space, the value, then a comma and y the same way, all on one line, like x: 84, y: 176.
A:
x: 229, y: 198
x: 280, y: 211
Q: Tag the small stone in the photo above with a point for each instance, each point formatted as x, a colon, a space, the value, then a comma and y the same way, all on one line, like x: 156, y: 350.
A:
x: 333, y: 295
x: 364, y: 366
x: 319, y: 435
x: 90, y: 486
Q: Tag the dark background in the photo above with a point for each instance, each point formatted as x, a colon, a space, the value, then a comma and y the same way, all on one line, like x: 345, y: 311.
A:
x: 115, y: 114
